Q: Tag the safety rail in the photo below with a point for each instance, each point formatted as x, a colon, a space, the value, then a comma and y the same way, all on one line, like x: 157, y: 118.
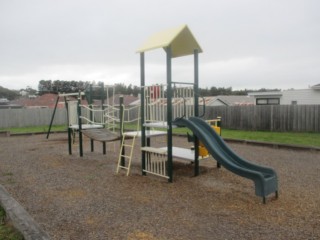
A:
x: 99, y: 116
x: 156, y: 102
x: 156, y: 161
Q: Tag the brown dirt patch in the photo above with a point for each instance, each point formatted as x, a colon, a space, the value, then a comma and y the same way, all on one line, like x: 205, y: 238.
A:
x: 83, y: 198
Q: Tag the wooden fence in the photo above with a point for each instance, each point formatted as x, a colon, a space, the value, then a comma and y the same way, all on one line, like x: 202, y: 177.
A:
x: 283, y: 118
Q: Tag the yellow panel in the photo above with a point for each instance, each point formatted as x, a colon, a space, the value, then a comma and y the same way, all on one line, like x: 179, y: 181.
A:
x: 180, y: 39
x: 184, y: 44
x: 217, y: 129
x: 160, y: 39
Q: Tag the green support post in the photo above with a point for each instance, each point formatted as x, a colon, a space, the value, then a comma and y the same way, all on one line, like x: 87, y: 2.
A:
x: 219, y: 125
x: 69, y: 129
x: 196, y: 110
x: 123, y: 161
x: 80, y: 128
x: 103, y: 97
x: 70, y: 140
x: 142, y: 98
x: 54, y: 112
x: 169, y: 115
x: 104, y: 145
x: 91, y: 116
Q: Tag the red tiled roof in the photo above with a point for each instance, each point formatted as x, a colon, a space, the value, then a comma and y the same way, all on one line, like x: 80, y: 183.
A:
x: 46, y: 100
x: 127, y: 99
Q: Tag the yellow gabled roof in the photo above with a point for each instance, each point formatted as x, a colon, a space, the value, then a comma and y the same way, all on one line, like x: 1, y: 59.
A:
x: 180, y: 39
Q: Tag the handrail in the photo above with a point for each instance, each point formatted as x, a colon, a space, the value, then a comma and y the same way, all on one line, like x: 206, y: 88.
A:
x: 182, y: 83
x: 184, y: 106
x: 204, y: 107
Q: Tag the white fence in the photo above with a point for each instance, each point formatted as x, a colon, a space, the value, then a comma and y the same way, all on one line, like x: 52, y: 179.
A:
x: 31, y: 117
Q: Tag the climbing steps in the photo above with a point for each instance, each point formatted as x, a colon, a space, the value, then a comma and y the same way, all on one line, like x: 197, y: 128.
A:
x: 123, y: 157
x: 126, y: 149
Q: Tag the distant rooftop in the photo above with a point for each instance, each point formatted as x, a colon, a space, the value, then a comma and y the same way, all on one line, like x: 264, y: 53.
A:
x: 4, y: 101
x: 316, y: 87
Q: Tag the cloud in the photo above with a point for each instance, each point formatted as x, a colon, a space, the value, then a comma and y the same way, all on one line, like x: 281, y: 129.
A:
x: 247, y: 44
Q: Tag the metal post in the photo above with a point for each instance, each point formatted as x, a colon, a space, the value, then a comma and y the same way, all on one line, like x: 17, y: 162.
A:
x: 196, y: 109
x: 54, y: 112
x: 104, y: 147
x: 123, y: 161
x: 80, y: 127
x: 69, y: 140
x: 169, y: 115
x: 102, y: 96
x: 143, y: 130
x: 91, y: 114
x: 219, y: 125
x: 69, y: 129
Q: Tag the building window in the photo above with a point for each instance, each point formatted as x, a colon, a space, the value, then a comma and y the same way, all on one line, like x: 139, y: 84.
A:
x: 268, y: 101
x: 262, y: 101
x: 273, y: 101
x: 294, y: 102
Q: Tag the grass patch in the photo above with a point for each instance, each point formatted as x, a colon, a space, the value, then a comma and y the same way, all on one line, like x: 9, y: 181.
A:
x: 7, y: 231
x: 35, y: 129
x: 303, y: 139
x: 295, y: 138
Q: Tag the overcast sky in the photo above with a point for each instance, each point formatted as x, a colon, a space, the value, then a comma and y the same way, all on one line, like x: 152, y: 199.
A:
x: 247, y: 44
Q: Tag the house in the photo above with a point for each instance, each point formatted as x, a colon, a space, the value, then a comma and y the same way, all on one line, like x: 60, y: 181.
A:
x: 44, y: 101
x: 4, y: 101
x: 229, y: 100
x: 5, y: 104
x: 47, y: 100
x: 127, y: 100
x: 310, y: 96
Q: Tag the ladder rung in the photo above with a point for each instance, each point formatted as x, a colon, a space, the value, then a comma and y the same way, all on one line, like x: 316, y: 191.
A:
x: 126, y: 156
x: 124, y: 167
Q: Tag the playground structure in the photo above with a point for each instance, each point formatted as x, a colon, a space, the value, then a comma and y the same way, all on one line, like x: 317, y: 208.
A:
x: 97, y: 123
x: 66, y: 97
x: 176, y: 42
x: 159, y: 161
x: 166, y: 106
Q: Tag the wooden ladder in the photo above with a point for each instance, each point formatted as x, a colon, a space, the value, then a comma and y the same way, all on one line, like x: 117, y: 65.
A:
x: 123, y: 156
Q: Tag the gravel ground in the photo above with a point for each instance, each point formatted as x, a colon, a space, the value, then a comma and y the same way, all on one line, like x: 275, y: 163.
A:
x: 82, y: 198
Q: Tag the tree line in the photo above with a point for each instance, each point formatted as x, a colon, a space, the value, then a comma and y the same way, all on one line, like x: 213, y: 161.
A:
x: 120, y: 88
x: 8, y: 94
x: 63, y: 86
x: 214, y: 91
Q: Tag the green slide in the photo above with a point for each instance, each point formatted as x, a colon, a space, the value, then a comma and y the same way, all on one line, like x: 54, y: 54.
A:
x: 264, y: 178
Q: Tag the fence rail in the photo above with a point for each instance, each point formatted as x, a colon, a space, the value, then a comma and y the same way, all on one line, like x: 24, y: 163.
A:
x: 297, y: 118
x: 283, y: 118
x: 31, y: 117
